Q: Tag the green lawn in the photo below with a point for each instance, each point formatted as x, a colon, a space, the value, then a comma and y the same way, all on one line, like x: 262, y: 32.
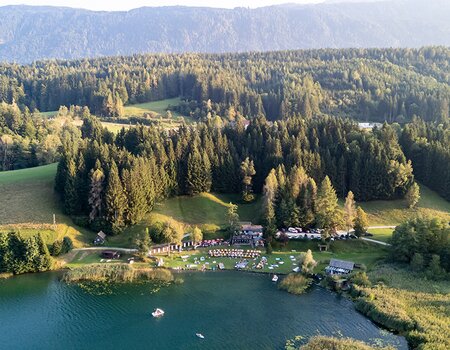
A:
x: 381, y: 234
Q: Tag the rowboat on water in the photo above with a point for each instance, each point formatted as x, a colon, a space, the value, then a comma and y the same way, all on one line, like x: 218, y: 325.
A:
x: 158, y: 313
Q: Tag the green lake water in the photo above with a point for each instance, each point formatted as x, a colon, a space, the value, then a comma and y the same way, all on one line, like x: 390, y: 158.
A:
x: 232, y: 310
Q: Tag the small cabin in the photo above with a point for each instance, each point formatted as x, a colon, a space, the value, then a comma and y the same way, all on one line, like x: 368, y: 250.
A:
x: 339, y: 267
x: 100, y: 238
x: 110, y: 254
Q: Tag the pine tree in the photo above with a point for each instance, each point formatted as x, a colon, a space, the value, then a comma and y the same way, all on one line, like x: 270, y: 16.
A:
x: 247, y: 172
x: 70, y: 190
x: 115, y: 200
x: 328, y: 214
x: 96, y: 193
x: 195, y: 179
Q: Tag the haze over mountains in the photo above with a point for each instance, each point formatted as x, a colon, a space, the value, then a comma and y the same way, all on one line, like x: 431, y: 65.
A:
x: 30, y: 33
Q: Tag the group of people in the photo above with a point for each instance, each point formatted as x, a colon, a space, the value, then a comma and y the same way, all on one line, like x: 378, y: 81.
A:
x: 234, y: 253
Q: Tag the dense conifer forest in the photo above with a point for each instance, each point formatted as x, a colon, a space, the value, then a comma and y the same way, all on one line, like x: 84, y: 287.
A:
x: 117, y: 180
x: 390, y: 85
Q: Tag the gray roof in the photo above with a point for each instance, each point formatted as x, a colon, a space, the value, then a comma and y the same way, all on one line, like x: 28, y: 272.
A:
x: 342, y: 264
x: 102, y: 235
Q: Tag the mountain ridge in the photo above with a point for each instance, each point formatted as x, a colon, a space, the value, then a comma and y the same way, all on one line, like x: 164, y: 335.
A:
x: 29, y: 33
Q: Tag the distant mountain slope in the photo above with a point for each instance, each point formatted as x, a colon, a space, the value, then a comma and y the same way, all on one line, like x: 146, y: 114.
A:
x: 31, y: 33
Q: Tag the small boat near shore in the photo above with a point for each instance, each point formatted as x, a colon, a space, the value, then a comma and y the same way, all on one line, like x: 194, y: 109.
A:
x: 274, y: 278
x: 199, y: 335
x: 158, y: 313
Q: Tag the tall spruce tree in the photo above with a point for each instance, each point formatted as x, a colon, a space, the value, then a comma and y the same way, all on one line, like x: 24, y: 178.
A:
x: 70, y: 190
x: 96, y: 192
x: 115, y: 199
x: 328, y: 214
x: 247, y: 173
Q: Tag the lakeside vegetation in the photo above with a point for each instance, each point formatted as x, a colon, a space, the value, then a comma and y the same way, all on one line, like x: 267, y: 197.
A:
x: 331, y: 343
x: 407, y: 302
x: 295, y: 283
x: 116, y: 273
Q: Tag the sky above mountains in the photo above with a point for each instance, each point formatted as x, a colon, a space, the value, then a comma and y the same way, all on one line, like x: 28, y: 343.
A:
x: 108, y: 5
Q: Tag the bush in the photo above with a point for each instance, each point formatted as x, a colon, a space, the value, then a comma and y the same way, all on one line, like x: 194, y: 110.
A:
x: 67, y: 245
x: 56, y: 248
x: 295, y: 283
x: 360, y: 279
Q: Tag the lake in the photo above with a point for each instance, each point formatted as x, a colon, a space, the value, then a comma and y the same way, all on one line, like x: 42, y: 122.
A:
x: 233, y: 310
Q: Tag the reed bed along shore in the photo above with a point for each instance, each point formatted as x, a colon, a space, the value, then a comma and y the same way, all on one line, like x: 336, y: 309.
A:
x: 119, y: 273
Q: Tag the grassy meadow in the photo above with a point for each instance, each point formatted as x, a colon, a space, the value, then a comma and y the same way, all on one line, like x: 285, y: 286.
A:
x: 157, y: 107
x: 28, y: 203
x: 394, y: 212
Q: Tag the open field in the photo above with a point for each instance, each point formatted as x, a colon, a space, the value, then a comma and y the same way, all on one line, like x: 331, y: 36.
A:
x: 208, y: 211
x: 395, y: 212
x: 29, y: 202
x: 157, y: 107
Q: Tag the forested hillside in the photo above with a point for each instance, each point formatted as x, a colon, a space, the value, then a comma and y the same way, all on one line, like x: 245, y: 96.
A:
x: 390, y: 85
x: 112, y: 182
x: 33, y: 33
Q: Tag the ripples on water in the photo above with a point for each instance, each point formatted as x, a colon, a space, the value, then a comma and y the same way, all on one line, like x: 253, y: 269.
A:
x: 233, y: 311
